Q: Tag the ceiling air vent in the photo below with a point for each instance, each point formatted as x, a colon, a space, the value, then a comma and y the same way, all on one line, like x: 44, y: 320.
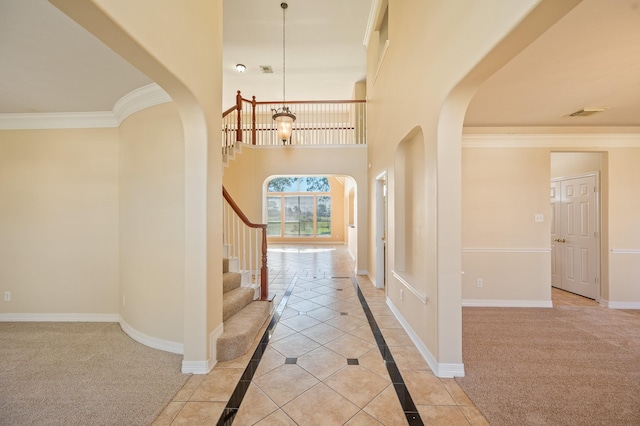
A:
x: 266, y: 69
x: 587, y: 111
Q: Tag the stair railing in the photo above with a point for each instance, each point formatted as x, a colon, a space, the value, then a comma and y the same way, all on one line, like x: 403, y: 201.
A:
x: 317, y: 122
x: 246, y: 241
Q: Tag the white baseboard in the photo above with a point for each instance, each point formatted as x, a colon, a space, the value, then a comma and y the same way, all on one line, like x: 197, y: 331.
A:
x: 18, y: 317
x: 619, y: 305
x: 197, y: 367
x: 439, y: 369
x: 362, y: 272
x: 488, y: 303
x: 374, y: 282
x: 204, y: 367
x: 152, y: 342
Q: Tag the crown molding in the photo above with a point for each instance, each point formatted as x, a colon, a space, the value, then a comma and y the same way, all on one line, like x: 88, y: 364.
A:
x: 556, y: 140
x: 58, y: 120
x: 137, y: 100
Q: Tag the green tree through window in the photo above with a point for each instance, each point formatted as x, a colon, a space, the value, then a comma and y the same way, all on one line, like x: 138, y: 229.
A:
x: 299, y: 184
x: 305, y: 214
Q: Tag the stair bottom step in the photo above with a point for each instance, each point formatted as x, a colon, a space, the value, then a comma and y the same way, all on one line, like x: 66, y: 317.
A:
x: 241, y: 329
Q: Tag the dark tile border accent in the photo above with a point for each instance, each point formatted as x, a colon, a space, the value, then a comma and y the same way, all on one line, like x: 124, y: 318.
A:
x: 230, y: 411
x: 408, y: 406
x: 353, y: 361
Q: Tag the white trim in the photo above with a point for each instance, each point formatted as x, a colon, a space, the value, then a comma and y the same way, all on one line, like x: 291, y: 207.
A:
x: 196, y: 367
x: 556, y: 140
x: 422, y: 297
x: 505, y: 250
x: 619, y: 305
x: 383, y: 54
x: 371, y: 22
x: 213, y: 344
x: 625, y: 251
x: 137, y: 100
x: 495, y: 303
x: 58, y: 120
x: 362, y: 272
x: 372, y: 281
x: 152, y: 342
x: 581, y: 175
x: 21, y: 317
x: 439, y: 369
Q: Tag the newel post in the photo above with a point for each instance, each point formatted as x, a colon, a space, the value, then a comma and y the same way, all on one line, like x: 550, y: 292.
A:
x: 253, y: 120
x: 239, y: 112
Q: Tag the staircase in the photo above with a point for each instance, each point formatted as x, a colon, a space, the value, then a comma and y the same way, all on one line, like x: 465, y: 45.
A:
x: 243, y: 316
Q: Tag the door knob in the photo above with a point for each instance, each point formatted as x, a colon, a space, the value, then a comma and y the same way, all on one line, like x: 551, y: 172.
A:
x: 562, y: 240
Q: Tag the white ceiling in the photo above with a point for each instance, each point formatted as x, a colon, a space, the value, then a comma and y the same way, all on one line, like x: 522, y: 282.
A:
x: 590, y: 58
x: 48, y: 63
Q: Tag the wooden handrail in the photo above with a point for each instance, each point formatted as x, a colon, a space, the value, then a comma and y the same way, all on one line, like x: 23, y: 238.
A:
x: 264, y: 270
x: 350, y: 101
x: 229, y: 111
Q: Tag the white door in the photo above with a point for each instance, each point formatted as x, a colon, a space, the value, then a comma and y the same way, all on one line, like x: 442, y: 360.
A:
x: 574, y: 235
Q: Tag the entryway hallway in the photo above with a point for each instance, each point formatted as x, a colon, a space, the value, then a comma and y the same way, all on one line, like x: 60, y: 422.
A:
x: 321, y: 363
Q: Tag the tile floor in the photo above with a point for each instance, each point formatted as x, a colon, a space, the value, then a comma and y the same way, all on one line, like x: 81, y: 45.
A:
x: 322, y: 365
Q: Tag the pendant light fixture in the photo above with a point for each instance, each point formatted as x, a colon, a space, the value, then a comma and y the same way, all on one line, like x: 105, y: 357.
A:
x: 283, y: 117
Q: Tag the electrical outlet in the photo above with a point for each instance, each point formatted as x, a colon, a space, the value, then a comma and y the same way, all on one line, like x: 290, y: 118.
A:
x: 7, y: 296
x: 538, y: 218
x: 401, y: 294
x: 480, y: 282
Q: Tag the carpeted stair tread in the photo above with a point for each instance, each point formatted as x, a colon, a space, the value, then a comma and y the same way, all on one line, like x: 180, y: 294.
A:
x: 231, y: 281
x: 235, y: 300
x: 241, y: 329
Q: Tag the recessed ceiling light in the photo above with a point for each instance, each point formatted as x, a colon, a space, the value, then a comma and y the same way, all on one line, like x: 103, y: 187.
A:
x: 240, y: 68
x: 587, y: 111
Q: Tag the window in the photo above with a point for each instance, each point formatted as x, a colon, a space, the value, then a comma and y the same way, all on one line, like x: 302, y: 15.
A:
x: 299, y: 207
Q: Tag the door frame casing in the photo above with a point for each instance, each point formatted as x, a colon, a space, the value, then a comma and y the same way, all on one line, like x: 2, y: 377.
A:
x: 381, y: 229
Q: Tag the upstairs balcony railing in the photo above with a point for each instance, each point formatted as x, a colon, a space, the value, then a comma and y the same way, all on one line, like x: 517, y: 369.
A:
x: 317, y: 123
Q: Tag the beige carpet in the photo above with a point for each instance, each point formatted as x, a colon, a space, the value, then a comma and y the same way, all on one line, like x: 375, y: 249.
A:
x: 82, y: 374
x: 560, y: 366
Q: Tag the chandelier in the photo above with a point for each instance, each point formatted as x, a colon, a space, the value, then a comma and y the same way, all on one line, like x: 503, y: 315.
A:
x: 283, y: 117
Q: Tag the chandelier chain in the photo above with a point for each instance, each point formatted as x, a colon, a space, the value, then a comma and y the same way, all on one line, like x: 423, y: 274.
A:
x: 284, y: 73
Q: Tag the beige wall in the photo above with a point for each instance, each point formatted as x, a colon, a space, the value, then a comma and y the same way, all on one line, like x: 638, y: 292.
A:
x: 152, y: 222
x: 351, y: 212
x: 59, y: 221
x: 575, y: 163
x: 179, y: 46
x: 624, y: 225
x: 432, y: 96
x: 502, y: 190
x: 246, y: 176
x: 504, y: 186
